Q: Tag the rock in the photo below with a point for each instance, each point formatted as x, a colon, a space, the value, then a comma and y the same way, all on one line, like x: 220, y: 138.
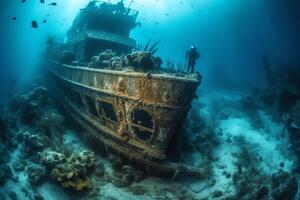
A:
x: 295, y: 115
x: 4, y: 156
x: 217, y: 194
x: 5, y: 174
x: 31, y: 104
x: 12, y: 195
x: 263, y: 193
x: 284, y: 186
x: 18, y: 102
x: 38, y: 196
x: 20, y: 165
x: 52, y: 120
x: 35, y: 174
x: 138, y: 190
x: 3, y: 125
x: 35, y: 142
x: 226, y: 174
x: 281, y: 165
x: 100, y: 170
x: 252, y: 184
x: 125, y: 176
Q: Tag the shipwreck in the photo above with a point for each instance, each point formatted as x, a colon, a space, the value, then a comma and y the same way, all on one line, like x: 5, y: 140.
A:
x: 127, y: 102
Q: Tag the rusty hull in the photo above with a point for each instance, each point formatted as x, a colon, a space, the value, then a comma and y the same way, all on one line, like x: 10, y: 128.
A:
x: 166, y: 98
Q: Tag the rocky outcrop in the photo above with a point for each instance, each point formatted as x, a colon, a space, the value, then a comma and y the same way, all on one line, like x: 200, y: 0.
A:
x: 35, y: 142
x: 5, y: 173
x: 70, y: 171
x: 252, y: 184
x: 123, y: 175
x: 30, y: 106
x: 36, y: 174
x: 284, y: 186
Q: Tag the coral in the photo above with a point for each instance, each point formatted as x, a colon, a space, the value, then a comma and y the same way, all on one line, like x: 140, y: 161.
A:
x: 70, y: 171
x: 106, y: 55
x: 102, y: 60
x: 52, y: 158
x: 117, y: 63
x: 143, y: 60
x: 139, y: 61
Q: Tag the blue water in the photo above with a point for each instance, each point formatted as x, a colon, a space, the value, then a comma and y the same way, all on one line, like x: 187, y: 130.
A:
x: 236, y: 39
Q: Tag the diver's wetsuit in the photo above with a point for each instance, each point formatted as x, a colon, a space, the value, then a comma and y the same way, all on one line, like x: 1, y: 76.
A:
x: 192, y: 55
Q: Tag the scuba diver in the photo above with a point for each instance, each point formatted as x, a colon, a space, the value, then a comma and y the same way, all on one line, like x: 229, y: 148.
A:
x: 192, y: 55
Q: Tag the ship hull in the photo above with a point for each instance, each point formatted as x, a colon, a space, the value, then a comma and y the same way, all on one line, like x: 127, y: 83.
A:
x: 134, y: 115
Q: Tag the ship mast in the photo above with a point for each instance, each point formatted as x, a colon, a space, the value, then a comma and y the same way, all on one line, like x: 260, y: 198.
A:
x: 130, y: 3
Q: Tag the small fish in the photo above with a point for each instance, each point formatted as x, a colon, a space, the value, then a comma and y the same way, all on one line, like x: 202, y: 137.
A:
x: 23, y: 1
x: 14, y: 18
x: 34, y: 24
x: 53, y: 4
x: 45, y: 21
x: 42, y: 1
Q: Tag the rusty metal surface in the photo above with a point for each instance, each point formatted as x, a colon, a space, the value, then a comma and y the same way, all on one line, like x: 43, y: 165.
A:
x: 165, y: 98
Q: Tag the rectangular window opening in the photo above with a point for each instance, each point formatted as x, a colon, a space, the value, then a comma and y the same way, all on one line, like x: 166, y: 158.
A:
x: 78, y: 99
x: 107, y: 110
x: 91, y: 106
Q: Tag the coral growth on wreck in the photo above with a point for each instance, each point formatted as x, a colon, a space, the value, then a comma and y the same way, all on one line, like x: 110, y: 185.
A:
x: 137, y: 61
